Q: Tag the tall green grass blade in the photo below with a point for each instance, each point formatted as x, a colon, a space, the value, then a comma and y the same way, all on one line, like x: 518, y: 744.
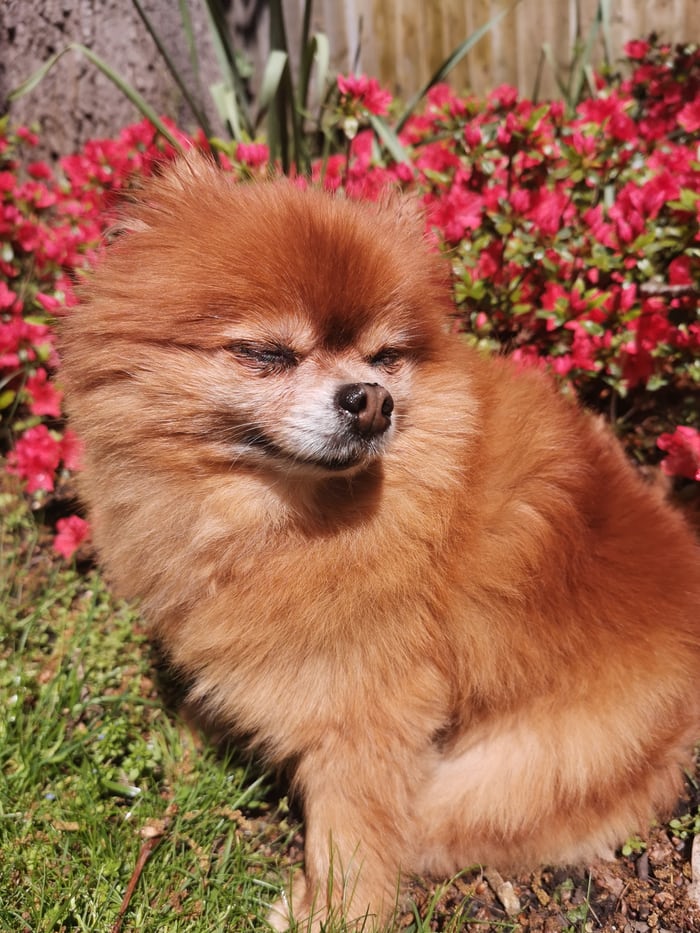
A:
x: 271, y: 91
x: 37, y: 77
x: 582, y: 61
x: 197, y: 112
x: 549, y: 58
x: 228, y: 67
x: 272, y: 78
x: 535, y: 96
x: 306, y: 23
x: 227, y: 107
x: 389, y: 139
x: 456, y: 56
x: 285, y: 120
x: 605, y: 10
x: 316, y: 51
x: 129, y: 92
x: 188, y: 30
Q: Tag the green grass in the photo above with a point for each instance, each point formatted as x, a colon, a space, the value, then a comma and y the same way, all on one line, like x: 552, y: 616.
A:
x: 92, y: 766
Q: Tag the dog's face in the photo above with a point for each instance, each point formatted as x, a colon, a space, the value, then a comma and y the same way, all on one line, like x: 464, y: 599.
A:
x: 279, y: 329
x: 299, y: 403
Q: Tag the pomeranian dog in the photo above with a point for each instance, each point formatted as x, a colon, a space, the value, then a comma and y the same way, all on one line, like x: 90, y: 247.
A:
x: 419, y: 578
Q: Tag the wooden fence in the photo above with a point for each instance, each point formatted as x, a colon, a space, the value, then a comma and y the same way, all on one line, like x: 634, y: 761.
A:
x: 402, y: 42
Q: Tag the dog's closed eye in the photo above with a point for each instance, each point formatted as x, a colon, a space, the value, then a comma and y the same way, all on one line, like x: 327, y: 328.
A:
x: 389, y: 359
x: 265, y: 358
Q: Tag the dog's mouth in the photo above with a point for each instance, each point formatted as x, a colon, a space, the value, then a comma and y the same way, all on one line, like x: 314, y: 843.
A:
x: 337, y: 458
x: 347, y: 435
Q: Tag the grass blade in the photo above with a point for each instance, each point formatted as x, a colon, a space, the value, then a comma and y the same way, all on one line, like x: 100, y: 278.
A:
x: 389, y: 139
x: 582, y: 61
x: 129, y: 92
x: 456, y: 56
x: 317, y: 50
x: 272, y: 78
x: 226, y: 104
x: 230, y: 73
x: 28, y: 85
x: 197, y: 112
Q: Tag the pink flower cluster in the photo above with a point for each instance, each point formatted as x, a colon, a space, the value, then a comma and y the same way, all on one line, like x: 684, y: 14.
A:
x: 359, y: 91
x: 683, y: 449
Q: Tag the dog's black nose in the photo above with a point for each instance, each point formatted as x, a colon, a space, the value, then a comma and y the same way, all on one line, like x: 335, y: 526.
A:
x: 369, y: 404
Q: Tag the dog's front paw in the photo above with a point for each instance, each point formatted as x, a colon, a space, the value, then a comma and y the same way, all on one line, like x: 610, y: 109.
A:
x: 278, y: 915
x: 286, y: 912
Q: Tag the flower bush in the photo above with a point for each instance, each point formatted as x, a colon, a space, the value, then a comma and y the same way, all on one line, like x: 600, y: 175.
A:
x: 574, y: 240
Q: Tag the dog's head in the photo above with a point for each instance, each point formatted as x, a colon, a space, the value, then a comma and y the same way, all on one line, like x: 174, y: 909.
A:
x: 271, y: 326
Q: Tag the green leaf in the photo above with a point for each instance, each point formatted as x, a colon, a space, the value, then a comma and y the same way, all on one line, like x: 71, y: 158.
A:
x: 389, y: 139
x: 453, y: 59
x: 272, y: 78
x: 198, y: 113
x: 226, y: 104
x: 131, y: 93
x: 231, y: 100
x: 7, y: 398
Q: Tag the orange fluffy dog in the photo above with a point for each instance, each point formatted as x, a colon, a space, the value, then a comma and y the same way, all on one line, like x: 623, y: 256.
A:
x: 417, y: 576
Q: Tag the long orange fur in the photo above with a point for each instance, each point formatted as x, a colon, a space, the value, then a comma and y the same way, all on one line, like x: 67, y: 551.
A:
x: 480, y: 644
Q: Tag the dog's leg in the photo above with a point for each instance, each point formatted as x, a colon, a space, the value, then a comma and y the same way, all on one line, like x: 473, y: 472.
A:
x: 550, y: 785
x: 358, y: 817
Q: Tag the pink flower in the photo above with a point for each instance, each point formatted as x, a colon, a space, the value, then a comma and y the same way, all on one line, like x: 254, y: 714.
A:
x: 548, y: 211
x: 366, y: 92
x: 503, y: 96
x: 45, y: 397
x: 683, y: 449
x: 460, y: 210
x: 8, y: 299
x: 679, y: 271
x: 610, y: 112
x: 689, y: 116
x: 48, y: 302
x: 35, y: 458
x: 637, y: 49
x: 27, y: 135
x: 72, y: 531
x: 39, y: 170
x: 252, y: 154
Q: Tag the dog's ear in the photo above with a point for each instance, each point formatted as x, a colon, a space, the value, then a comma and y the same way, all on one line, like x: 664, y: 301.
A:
x: 169, y: 185
x: 408, y: 209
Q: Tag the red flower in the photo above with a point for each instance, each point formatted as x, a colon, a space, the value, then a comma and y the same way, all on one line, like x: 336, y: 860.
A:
x: 460, y: 210
x: 45, y: 397
x: 72, y: 531
x: 549, y: 210
x: 689, y: 116
x: 637, y: 49
x: 366, y: 92
x: 27, y: 135
x: 679, y: 272
x: 683, y: 449
x: 252, y: 154
x: 8, y: 299
x: 610, y: 112
x: 35, y: 458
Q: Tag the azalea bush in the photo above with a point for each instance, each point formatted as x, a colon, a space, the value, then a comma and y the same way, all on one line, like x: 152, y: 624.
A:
x: 574, y: 239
